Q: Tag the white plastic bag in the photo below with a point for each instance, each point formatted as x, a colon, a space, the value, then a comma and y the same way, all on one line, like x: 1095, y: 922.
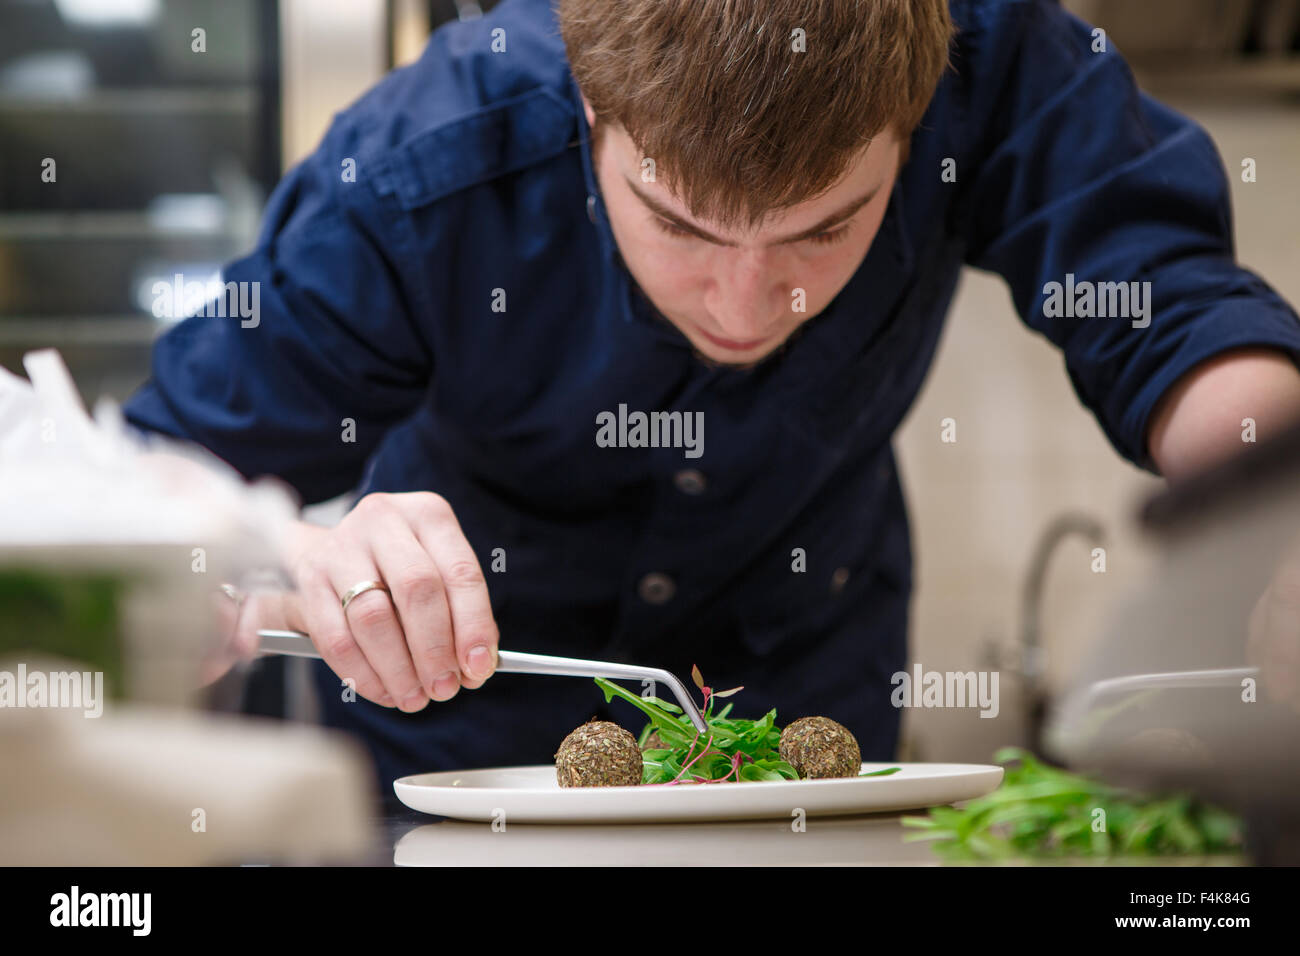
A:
x: 66, y: 478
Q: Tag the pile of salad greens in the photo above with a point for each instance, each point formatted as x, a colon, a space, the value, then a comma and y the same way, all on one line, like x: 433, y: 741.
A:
x: 1042, y: 811
x: 734, y: 750
x: 66, y: 614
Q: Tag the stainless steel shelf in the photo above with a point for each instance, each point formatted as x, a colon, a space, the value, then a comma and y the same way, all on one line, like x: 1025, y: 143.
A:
x: 97, y: 225
x: 60, y: 330
x: 147, y: 100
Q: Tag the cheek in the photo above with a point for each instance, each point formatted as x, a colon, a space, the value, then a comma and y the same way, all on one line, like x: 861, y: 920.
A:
x: 822, y: 275
x: 829, y: 272
x: 659, y: 264
x: 670, y: 270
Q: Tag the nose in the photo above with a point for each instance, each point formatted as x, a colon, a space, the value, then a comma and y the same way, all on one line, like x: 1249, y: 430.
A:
x: 741, y: 301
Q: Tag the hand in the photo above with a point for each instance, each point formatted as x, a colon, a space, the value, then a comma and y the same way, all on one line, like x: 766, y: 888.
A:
x: 428, y: 635
x: 240, y: 613
x: 1273, y: 635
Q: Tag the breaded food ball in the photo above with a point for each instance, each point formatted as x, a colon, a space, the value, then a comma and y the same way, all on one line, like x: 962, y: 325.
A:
x: 598, y: 754
x: 818, y: 747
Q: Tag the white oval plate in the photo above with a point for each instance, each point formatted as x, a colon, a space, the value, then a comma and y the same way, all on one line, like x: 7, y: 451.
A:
x: 532, y: 795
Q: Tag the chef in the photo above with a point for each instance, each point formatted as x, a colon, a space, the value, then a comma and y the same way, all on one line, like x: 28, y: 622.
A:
x: 751, y: 221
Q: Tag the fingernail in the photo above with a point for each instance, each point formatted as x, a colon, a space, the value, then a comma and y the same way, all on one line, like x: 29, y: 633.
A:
x: 415, y: 701
x: 445, y: 686
x: 480, y: 662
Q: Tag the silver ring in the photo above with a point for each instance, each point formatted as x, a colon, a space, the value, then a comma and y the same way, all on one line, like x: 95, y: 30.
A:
x: 361, y: 588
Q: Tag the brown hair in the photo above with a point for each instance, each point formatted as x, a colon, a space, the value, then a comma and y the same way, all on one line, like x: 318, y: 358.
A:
x: 715, y: 92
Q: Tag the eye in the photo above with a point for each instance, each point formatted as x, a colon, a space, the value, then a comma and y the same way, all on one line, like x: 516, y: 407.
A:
x: 831, y: 236
x: 672, y: 228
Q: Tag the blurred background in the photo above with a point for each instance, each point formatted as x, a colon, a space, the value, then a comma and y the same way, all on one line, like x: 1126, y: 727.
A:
x: 173, y: 156
x: 1005, y: 520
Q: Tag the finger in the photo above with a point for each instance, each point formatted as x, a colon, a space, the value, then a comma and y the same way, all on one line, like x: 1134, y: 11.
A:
x: 474, y: 630
x: 222, y: 657
x: 226, y: 607
x: 265, y: 609
x: 253, y: 616
x: 1282, y: 632
x: 372, y: 620
x: 291, y: 616
x: 1274, y: 635
x: 322, y: 618
x: 422, y: 610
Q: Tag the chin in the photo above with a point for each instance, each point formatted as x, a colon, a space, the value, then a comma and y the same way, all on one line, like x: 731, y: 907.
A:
x: 714, y: 355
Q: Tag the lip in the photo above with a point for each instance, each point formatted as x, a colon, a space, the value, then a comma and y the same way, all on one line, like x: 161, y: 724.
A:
x: 732, y: 344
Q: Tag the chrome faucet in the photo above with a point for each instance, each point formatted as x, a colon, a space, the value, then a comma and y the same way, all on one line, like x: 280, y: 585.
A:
x: 1029, y: 661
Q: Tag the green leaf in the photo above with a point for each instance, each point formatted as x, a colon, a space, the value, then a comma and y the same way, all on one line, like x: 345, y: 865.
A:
x: 664, y: 704
x: 660, y: 719
x: 924, y: 822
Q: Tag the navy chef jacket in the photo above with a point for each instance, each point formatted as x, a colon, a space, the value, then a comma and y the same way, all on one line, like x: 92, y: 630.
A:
x: 473, y: 174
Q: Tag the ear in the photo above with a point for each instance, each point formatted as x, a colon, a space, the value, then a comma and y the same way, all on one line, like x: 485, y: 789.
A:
x: 590, y: 113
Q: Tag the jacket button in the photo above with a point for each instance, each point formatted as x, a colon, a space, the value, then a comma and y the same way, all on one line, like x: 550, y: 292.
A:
x: 839, y: 579
x: 591, y: 208
x: 689, y: 481
x: 656, y: 588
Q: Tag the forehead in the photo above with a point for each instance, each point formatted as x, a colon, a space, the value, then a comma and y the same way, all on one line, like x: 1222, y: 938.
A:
x: 866, y: 174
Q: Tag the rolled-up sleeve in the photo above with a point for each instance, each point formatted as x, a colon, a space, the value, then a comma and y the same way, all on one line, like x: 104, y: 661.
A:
x: 334, y: 356
x: 1081, y: 179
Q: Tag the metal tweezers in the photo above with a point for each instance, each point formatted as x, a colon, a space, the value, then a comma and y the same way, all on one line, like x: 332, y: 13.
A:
x: 298, y: 644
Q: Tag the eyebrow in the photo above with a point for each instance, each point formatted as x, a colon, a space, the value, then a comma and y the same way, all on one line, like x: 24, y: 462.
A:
x: 834, y: 219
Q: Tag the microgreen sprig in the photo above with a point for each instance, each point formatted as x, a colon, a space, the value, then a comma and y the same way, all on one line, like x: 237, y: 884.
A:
x: 733, y: 750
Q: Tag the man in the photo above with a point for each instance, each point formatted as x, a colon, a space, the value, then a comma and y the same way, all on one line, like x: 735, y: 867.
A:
x: 612, y: 344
